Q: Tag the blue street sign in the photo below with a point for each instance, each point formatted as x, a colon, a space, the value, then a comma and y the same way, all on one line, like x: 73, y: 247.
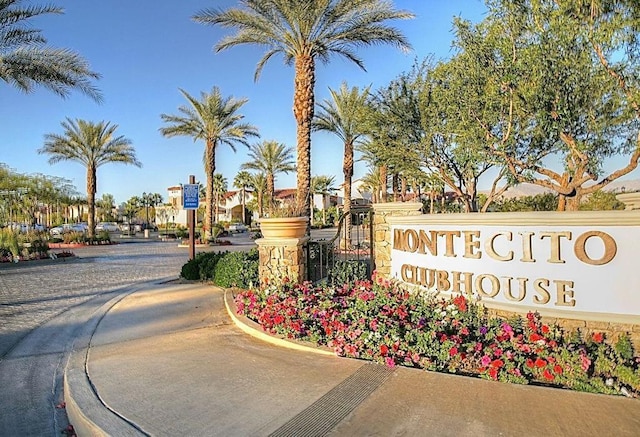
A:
x: 190, y: 196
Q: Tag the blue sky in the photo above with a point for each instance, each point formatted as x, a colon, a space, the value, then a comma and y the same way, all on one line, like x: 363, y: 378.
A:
x: 146, y: 49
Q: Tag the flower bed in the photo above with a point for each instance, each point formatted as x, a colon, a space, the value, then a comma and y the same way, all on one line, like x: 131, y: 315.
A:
x: 377, y: 320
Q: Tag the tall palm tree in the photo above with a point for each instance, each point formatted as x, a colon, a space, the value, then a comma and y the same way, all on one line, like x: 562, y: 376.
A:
x: 215, y: 120
x: 91, y: 144
x: 26, y: 61
x: 323, y: 184
x: 270, y: 158
x: 303, y: 31
x: 258, y: 183
x: 344, y: 116
x: 220, y: 187
x: 242, y: 181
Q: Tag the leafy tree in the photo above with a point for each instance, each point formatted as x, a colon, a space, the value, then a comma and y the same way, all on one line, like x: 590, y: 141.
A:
x: 601, y: 201
x: 539, y: 202
x: 92, y: 145
x: 568, y: 73
x: 215, y: 120
x: 344, y: 116
x: 304, y: 32
x: 270, y: 158
x: 26, y: 61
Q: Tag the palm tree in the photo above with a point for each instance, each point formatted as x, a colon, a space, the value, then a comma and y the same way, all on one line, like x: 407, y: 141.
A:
x: 323, y: 184
x: 344, y: 117
x: 270, y: 158
x: 219, y: 188
x: 105, y: 206
x: 303, y: 31
x: 215, y: 120
x: 91, y: 144
x: 242, y: 181
x: 258, y: 183
x: 26, y: 61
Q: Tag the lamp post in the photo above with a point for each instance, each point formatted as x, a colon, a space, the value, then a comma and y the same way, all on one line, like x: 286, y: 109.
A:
x: 145, y: 201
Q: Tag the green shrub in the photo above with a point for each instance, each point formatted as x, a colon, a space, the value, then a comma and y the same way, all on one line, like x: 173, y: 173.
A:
x: 237, y: 269
x: 347, y: 272
x: 9, y: 242
x: 191, y: 270
x: 209, y: 263
x: 202, y: 267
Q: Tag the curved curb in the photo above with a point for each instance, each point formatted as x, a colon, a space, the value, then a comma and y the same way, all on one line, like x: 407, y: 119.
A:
x: 247, y: 326
x: 85, y: 410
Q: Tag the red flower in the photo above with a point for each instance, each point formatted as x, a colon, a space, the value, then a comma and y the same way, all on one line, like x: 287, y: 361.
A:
x: 460, y: 302
x: 547, y: 375
x: 545, y: 329
x: 535, y: 337
x: 497, y: 363
x: 557, y: 369
x: 493, y: 373
x: 384, y: 350
x: 598, y: 337
x: 540, y: 363
x: 529, y: 363
x: 453, y: 351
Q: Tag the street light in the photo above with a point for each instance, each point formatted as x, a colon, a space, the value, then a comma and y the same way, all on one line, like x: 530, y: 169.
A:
x: 145, y: 201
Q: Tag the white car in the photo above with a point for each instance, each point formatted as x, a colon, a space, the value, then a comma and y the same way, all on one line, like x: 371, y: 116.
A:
x: 107, y: 226
x: 68, y: 227
x: 237, y: 227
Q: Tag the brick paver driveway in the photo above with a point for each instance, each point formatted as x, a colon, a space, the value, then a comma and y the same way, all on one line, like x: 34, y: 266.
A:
x: 44, y: 304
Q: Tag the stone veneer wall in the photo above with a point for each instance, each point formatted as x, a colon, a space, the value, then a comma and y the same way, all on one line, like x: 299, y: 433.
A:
x: 382, y: 258
x: 281, y: 258
x: 382, y: 231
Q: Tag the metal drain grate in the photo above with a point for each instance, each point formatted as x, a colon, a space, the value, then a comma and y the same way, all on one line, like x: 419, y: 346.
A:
x: 325, y: 413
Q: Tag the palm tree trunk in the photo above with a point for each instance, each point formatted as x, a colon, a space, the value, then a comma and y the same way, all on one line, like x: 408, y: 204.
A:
x: 244, y: 218
x: 303, y: 101
x: 210, y: 168
x: 271, y: 188
x: 383, y: 183
x: 347, y: 169
x: 91, y: 200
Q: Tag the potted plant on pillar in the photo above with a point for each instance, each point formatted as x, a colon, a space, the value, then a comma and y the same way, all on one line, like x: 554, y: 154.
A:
x: 285, y: 220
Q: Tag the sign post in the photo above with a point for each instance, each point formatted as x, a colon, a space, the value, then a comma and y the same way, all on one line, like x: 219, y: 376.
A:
x: 191, y: 202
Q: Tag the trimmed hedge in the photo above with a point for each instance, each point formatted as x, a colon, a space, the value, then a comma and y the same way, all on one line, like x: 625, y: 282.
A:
x: 226, y: 269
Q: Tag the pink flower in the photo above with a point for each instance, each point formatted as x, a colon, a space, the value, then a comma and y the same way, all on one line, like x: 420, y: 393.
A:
x: 389, y: 362
x: 485, y: 360
x: 453, y: 351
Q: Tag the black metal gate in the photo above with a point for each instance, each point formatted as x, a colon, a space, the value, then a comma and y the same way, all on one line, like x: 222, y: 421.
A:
x: 356, y: 246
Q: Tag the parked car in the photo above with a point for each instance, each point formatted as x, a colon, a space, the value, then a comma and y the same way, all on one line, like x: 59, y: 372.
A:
x: 68, y: 227
x: 237, y: 227
x: 107, y: 226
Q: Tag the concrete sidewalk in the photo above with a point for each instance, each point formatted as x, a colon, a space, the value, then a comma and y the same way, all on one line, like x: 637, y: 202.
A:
x: 171, y: 361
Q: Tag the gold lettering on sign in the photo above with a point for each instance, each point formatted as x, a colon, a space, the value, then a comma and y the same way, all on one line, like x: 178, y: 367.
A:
x: 488, y: 247
x: 555, y: 256
x: 545, y: 296
x: 527, y: 252
x: 471, y: 245
x: 448, y: 235
x: 465, y: 278
x: 610, y: 248
x: 495, y: 285
x: 564, y: 294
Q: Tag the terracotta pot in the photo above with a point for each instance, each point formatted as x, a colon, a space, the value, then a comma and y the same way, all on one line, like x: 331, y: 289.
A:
x: 283, y: 227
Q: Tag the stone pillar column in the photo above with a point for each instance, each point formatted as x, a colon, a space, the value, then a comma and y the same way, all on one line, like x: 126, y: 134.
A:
x: 382, y: 231
x: 282, y: 258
